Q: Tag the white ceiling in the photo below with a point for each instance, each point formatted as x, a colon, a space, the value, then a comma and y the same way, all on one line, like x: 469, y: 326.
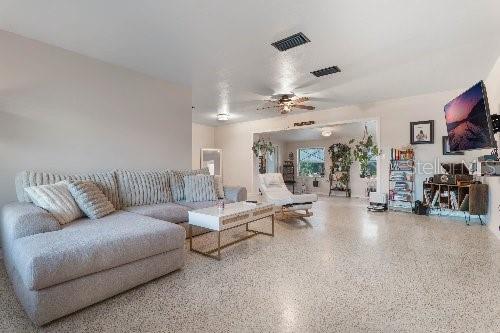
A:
x: 341, y: 132
x: 385, y: 48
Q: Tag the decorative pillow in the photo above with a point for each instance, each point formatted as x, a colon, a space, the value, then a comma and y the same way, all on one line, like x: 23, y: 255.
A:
x: 199, y: 188
x: 90, y: 199
x: 138, y: 188
x: 105, y: 181
x: 57, y: 200
x: 219, y: 187
x: 177, y: 181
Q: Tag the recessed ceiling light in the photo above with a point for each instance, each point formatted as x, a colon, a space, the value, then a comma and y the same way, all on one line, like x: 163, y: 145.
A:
x: 326, y: 131
x: 222, y: 116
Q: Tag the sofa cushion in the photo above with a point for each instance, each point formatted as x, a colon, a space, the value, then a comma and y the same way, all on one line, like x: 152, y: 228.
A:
x: 89, y: 246
x: 170, y: 212
x: 90, y: 198
x: 105, y: 181
x: 177, y: 181
x: 199, y: 188
x: 57, y: 200
x: 137, y: 188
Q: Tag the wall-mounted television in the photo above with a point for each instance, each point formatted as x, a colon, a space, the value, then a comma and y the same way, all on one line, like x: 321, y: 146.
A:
x: 468, y: 120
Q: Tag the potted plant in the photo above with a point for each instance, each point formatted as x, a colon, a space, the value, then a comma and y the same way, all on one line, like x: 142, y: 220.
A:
x: 363, y: 152
x: 315, y: 181
x: 262, y: 148
x: 341, y: 157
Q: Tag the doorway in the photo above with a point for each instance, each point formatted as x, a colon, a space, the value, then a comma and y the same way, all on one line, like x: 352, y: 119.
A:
x: 307, y: 152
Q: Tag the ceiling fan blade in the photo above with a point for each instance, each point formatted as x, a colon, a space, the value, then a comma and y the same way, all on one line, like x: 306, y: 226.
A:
x: 323, y: 99
x: 301, y: 100
x: 304, y: 107
x: 268, y: 107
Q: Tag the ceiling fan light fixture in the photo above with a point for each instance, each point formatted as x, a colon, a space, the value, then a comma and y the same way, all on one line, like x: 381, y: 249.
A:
x: 222, y: 116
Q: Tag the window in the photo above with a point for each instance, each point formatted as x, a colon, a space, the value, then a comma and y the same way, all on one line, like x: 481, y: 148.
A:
x: 272, y: 160
x: 372, y: 166
x: 311, y: 162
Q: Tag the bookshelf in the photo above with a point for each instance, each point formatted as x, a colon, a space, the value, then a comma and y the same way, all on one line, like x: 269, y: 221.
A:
x: 445, y: 196
x: 402, y: 180
x: 464, y: 197
x: 288, y: 172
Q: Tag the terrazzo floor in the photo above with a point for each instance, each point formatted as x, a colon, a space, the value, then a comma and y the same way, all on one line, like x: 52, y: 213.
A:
x: 346, y: 270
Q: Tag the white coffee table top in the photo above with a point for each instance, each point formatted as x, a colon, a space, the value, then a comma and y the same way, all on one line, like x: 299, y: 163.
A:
x: 233, y: 214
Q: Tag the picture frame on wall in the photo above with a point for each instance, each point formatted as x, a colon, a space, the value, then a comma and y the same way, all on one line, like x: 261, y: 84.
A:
x: 446, y: 148
x: 422, y: 132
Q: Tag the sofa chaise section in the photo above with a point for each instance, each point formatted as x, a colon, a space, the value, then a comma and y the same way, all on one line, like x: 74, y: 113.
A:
x: 89, y: 246
x: 57, y: 269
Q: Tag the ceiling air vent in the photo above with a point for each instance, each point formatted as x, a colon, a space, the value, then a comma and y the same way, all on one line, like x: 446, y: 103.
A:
x: 326, y: 71
x: 291, y: 42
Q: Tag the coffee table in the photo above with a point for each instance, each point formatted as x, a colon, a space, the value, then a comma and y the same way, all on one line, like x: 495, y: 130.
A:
x: 232, y: 216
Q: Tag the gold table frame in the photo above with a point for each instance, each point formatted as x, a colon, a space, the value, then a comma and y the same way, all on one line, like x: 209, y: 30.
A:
x: 219, y: 247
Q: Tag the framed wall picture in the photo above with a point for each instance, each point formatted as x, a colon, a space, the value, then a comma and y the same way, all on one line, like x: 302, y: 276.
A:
x: 446, y: 148
x: 422, y: 132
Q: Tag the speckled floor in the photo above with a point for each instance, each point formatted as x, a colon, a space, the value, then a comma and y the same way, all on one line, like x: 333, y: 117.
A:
x: 345, y: 271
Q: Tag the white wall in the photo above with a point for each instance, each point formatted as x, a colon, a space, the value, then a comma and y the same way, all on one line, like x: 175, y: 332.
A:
x: 60, y: 111
x: 202, y: 137
x: 493, y: 88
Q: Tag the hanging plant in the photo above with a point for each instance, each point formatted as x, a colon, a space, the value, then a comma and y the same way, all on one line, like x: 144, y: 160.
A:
x: 364, y: 151
x: 341, y: 157
x: 262, y: 148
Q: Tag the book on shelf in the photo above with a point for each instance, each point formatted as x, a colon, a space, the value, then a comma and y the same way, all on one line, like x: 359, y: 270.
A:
x: 427, y: 196
x: 435, y: 200
x: 398, y: 165
x: 464, y: 206
x: 401, y: 154
x: 453, y: 200
x: 401, y: 204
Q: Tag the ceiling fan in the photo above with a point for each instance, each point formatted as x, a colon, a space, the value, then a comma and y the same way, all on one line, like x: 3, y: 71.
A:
x: 285, y: 103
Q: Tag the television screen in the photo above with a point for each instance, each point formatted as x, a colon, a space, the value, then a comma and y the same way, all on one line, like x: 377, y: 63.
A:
x: 468, y: 120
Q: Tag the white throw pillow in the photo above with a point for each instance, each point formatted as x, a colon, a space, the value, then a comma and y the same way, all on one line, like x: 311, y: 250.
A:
x: 219, y: 187
x: 57, y: 200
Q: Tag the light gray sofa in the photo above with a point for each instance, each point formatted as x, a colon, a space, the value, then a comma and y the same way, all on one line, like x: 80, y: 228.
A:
x: 58, y: 269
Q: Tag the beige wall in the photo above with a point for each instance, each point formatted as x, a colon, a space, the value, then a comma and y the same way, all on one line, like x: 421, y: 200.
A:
x: 202, y: 137
x: 61, y: 111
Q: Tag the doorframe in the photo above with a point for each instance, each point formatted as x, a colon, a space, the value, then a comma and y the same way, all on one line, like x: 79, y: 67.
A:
x: 255, y: 190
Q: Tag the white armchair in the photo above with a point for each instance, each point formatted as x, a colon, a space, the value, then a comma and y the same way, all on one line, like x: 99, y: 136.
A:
x: 274, y: 190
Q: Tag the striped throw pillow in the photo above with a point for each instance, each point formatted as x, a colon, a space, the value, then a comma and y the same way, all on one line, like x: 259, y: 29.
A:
x: 177, y: 181
x: 137, y: 188
x: 90, y: 199
x: 57, y: 200
x: 200, y: 188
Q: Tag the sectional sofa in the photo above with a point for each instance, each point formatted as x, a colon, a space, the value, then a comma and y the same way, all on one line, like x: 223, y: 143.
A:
x: 58, y: 269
